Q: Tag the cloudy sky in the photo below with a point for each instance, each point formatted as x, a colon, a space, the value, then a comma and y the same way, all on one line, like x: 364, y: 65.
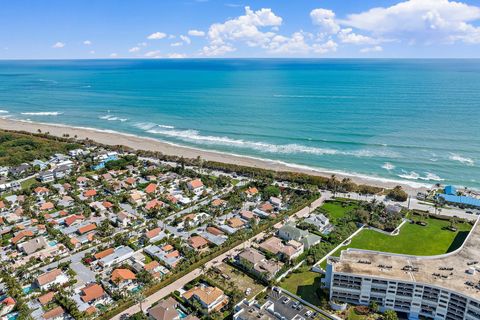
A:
x: 58, y: 29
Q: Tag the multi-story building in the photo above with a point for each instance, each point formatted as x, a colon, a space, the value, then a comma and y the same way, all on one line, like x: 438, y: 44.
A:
x: 443, y: 287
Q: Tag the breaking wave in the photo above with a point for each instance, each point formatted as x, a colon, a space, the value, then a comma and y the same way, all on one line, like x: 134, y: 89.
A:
x: 110, y: 117
x: 46, y: 113
x: 194, y: 136
x: 412, y: 175
x: 388, y: 166
x: 462, y: 159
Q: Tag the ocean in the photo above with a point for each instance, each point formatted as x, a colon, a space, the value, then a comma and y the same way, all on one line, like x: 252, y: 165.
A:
x: 415, y: 121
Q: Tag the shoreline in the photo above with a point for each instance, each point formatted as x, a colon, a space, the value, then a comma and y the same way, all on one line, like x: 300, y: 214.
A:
x: 109, y: 137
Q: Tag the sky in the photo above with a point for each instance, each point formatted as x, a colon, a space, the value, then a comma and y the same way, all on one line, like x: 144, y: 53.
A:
x: 97, y: 29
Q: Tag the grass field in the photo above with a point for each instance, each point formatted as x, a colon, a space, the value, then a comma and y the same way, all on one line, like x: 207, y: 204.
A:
x: 413, y: 239
x: 303, y: 284
x: 27, y: 183
x: 337, y: 209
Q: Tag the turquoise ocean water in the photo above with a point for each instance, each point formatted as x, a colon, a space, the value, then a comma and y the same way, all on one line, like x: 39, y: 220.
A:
x: 410, y: 120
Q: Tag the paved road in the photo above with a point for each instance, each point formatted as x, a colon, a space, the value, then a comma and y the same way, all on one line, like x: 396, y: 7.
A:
x: 162, y: 293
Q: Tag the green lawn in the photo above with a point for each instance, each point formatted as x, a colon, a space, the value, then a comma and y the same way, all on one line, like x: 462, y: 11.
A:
x: 413, y: 239
x: 337, y: 209
x: 27, y: 183
x: 352, y: 315
x: 303, y: 284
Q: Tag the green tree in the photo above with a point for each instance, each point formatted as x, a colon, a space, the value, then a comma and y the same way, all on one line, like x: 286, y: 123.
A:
x: 390, y: 315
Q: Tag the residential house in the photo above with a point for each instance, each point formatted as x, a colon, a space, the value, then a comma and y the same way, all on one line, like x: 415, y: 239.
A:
x: 198, y: 243
x: 210, y: 298
x: 256, y: 263
x: 291, y: 250
x: 32, y: 245
x: 120, y: 254
x: 50, y: 278
x: 92, y: 293
x: 276, y: 202
x: 6, y: 306
x: 319, y: 221
x: 122, y: 278
x: 291, y: 232
x: 155, y: 235
x: 56, y: 313
x: 151, y: 188
x: 196, y: 186
x: 46, y: 176
x: 165, y: 310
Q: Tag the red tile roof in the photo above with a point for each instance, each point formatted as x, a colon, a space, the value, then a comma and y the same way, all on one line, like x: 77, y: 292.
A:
x: 151, y: 188
x: 87, y: 228
x: 90, y: 193
x: 92, y: 292
x: 119, y: 275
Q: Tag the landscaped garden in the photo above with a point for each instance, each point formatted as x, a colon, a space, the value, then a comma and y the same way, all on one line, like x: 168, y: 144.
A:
x: 337, y: 209
x: 305, y: 284
x: 414, y: 239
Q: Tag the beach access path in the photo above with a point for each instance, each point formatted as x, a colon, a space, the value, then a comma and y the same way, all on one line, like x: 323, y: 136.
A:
x: 162, y: 293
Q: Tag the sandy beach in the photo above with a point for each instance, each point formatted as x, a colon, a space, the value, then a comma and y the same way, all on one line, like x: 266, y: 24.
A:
x: 141, y: 143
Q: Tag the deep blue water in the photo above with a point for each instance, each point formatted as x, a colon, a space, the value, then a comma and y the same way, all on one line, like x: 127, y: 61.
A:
x: 415, y: 120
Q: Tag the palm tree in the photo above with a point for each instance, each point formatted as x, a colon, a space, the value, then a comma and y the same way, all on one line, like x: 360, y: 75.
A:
x: 140, y: 298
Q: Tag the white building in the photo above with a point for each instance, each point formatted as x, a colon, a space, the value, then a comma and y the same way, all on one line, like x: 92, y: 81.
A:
x: 443, y: 287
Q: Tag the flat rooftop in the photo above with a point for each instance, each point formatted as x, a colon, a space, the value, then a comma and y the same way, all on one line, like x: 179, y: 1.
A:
x: 458, y: 270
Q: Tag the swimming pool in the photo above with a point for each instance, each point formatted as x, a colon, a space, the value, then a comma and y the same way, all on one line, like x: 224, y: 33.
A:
x: 27, y: 290
x: 136, y: 289
x: 52, y: 243
x: 181, y: 314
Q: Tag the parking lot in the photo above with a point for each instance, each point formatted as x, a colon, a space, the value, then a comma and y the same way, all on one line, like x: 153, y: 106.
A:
x: 291, y: 308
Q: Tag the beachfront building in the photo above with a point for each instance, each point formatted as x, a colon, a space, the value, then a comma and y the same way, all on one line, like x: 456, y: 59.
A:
x: 443, y: 287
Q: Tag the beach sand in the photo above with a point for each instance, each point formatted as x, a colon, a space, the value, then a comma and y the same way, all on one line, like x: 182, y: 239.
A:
x: 140, y: 143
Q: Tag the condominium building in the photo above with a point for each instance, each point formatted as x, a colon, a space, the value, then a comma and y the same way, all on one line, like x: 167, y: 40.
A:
x: 437, y: 287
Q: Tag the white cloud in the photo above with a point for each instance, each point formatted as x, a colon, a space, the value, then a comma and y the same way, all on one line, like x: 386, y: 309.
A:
x: 196, y: 33
x: 87, y: 42
x: 295, y: 44
x: 157, y: 36
x: 245, y: 28
x: 298, y: 44
x: 177, y: 44
x: 176, y: 55
x: 348, y: 36
x: 325, y: 19
x: 327, y: 47
x: 217, y: 50
x: 92, y: 52
x: 371, y: 49
x: 427, y: 21
x: 153, y: 54
x: 142, y: 44
x: 186, y: 39
x: 58, y: 45
x: 134, y: 49
x: 113, y: 55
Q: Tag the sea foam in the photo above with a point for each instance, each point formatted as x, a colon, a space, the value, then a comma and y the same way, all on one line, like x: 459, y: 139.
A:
x: 110, y: 117
x: 194, y: 136
x: 388, y: 166
x: 45, y: 113
x: 462, y: 159
x: 412, y: 175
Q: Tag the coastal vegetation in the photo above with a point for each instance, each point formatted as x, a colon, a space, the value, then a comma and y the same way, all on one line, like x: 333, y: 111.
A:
x: 18, y: 148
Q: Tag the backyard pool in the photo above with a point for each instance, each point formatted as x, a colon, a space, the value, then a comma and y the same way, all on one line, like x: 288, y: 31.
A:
x: 27, y: 289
